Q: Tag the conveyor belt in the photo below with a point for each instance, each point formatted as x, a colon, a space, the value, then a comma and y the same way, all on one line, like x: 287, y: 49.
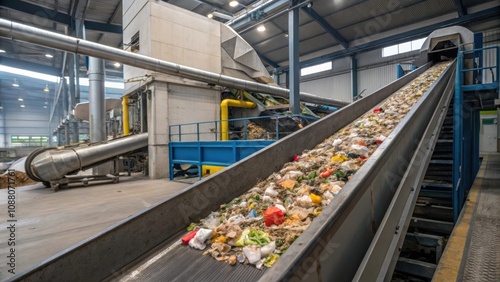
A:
x: 175, y: 262
x: 331, y: 248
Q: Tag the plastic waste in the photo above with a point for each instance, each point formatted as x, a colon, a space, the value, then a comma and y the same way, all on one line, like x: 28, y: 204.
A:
x: 195, y: 243
x: 240, y: 257
x: 203, y: 234
x: 337, y: 142
x: 301, y: 213
x: 360, y: 150
x: 271, y: 192
x: 236, y: 219
x: 315, y: 199
x: 281, y: 207
x: 304, y: 201
x: 252, y: 253
x: 252, y: 214
x: 186, y: 238
x: 273, y: 215
x: 211, y: 221
x: 267, y: 249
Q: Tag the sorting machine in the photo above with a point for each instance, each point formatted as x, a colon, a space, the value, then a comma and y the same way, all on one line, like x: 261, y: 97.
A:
x: 358, y: 237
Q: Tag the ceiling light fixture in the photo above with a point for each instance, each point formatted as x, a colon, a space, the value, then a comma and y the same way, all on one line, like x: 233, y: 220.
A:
x: 117, y: 65
x: 234, y: 3
x: 261, y: 28
x: 20, y: 99
x: 49, y: 56
x: 22, y: 106
x: 44, y: 107
x: 222, y: 15
x: 2, y: 51
x: 210, y: 15
x: 15, y: 84
x: 46, y: 89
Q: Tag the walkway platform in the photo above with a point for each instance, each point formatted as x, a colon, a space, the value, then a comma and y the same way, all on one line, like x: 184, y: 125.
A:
x: 473, y: 250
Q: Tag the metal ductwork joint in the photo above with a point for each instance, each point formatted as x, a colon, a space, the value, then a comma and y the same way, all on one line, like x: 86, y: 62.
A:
x: 54, y: 164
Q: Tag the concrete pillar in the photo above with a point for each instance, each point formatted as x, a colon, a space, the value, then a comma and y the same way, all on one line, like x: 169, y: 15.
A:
x: 158, y: 130
x: 97, y: 104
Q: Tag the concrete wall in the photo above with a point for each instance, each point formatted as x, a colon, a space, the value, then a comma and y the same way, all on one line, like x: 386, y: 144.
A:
x: 201, y: 105
x: 170, y: 33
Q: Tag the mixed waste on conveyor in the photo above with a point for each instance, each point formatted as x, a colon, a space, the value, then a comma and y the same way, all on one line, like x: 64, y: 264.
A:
x: 258, y: 227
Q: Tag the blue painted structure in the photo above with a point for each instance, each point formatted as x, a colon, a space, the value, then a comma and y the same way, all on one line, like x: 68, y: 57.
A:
x: 195, y: 151
x: 466, y: 122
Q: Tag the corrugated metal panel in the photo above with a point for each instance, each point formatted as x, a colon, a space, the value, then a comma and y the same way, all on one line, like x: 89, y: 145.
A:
x: 335, y: 87
x: 375, y: 78
x: 375, y: 57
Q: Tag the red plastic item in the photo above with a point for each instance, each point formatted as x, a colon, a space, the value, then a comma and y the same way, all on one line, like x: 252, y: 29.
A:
x: 186, y: 238
x: 295, y: 158
x: 378, y: 110
x: 326, y: 173
x: 379, y: 142
x: 273, y: 215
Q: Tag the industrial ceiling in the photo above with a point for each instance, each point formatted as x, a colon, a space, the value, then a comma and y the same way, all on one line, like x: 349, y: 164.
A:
x: 328, y: 28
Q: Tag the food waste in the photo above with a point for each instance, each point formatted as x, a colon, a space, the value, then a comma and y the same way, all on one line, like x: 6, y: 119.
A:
x: 257, y: 227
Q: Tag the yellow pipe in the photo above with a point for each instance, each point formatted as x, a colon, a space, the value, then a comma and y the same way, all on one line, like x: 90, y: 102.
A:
x: 126, y: 126
x: 224, y: 113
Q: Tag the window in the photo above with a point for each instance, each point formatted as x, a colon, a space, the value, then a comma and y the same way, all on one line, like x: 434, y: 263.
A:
x: 28, y: 141
x: 403, y: 47
x: 134, y: 43
x: 315, y: 69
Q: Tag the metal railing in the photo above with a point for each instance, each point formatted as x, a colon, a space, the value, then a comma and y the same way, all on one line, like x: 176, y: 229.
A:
x: 211, y: 130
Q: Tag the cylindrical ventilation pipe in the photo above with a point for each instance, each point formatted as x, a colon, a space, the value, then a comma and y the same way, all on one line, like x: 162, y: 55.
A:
x: 25, y: 33
x: 97, y: 102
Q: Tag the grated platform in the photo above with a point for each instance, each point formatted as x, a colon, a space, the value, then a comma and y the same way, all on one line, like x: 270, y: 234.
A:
x: 482, y: 261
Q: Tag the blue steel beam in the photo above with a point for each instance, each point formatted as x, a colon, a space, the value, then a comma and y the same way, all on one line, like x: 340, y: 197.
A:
x: 461, y: 10
x: 263, y: 9
x: 398, y: 38
x: 58, y: 17
x: 326, y: 26
x: 293, y: 55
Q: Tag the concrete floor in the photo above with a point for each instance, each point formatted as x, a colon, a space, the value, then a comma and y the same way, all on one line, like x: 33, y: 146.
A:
x: 48, y: 222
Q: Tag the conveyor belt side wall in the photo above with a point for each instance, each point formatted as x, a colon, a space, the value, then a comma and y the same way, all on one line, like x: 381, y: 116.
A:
x: 127, y: 240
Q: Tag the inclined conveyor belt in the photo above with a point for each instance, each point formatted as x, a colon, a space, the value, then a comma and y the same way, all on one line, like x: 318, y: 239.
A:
x: 338, y: 244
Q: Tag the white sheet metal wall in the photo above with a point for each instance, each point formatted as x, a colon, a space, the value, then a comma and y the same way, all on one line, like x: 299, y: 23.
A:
x: 335, y: 87
x: 490, y: 38
x: 372, y: 79
x: 24, y: 121
x: 374, y: 72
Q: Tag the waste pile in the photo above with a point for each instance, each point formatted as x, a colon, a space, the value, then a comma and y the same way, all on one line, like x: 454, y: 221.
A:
x: 19, y: 179
x: 257, y: 227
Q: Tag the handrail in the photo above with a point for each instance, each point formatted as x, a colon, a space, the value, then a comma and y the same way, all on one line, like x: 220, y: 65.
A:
x: 215, y: 130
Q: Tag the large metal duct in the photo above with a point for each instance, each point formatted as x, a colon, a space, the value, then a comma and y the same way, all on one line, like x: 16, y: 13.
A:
x: 25, y: 33
x: 53, y: 164
x: 97, y: 102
